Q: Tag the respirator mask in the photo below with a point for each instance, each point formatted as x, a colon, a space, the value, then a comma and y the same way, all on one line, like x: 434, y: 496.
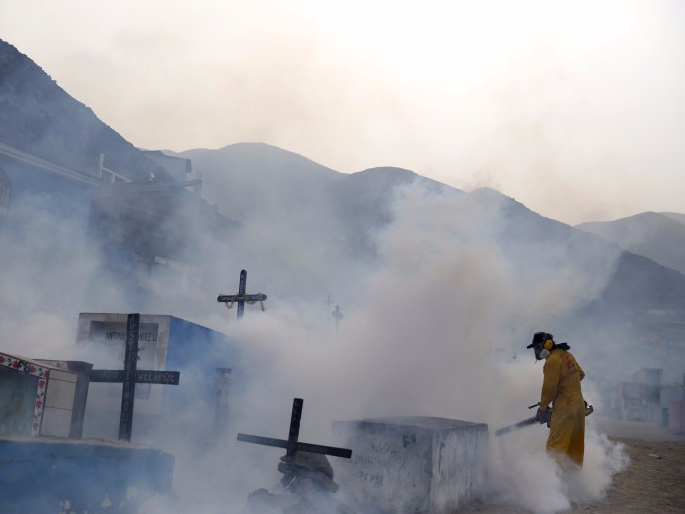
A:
x: 543, y: 343
x: 541, y: 353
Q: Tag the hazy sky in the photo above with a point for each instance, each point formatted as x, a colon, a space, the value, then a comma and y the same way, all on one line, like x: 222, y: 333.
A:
x: 576, y: 109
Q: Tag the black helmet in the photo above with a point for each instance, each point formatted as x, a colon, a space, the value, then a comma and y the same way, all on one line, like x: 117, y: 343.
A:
x: 539, y: 338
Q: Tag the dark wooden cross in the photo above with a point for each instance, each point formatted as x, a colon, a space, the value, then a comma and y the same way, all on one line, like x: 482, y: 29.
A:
x: 338, y: 315
x: 241, y: 297
x: 292, y: 445
x: 130, y: 376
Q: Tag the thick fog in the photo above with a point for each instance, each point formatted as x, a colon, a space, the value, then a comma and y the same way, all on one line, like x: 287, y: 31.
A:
x: 574, y: 109
x: 435, y: 325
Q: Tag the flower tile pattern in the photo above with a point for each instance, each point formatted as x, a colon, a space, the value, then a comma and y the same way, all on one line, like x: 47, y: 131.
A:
x: 43, y: 374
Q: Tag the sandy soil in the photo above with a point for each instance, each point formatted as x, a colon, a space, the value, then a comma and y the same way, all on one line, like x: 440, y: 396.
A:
x: 654, y: 481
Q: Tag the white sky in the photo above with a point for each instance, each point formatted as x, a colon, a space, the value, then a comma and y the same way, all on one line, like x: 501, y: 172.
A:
x: 576, y: 109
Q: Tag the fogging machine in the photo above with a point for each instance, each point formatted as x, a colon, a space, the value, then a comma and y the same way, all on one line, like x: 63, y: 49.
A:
x: 534, y: 420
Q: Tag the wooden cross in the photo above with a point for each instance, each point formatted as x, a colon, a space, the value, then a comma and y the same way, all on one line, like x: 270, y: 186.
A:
x: 338, y: 315
x: 241, y: 297
x: 130, y: 375
x: 292, y: 445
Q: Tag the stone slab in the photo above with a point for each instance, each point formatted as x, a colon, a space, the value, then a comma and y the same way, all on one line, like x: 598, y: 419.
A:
x: 411, y: 465
x: 56, y: 422
x: 60, y: 393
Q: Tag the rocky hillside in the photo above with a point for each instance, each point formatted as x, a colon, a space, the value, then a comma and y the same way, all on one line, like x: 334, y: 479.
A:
x: 37, y: 116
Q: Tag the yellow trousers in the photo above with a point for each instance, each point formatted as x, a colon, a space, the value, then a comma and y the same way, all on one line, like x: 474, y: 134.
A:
x: 567, y: 430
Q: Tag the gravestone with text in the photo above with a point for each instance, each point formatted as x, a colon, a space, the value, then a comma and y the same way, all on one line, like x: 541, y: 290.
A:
x: 130, y: 376
x: 165, y: 343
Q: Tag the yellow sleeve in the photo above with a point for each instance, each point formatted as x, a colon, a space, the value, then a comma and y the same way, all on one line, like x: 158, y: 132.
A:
x: 550, y: 382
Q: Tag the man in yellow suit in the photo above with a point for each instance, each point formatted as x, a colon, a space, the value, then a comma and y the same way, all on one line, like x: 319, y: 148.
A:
x: 561, y: 390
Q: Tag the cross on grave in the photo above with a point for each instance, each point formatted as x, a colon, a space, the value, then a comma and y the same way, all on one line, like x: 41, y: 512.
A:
x: 292, y: 445
x: 338, y: 315
x: 241, y: 297
x: 130, y: 376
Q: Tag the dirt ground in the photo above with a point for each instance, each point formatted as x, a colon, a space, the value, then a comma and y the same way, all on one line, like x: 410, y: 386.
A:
x: 653, y: 482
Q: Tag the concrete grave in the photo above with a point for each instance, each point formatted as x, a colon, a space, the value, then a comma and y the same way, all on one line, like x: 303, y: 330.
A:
x: 40, y: 397
x: 45, y: 466
x: 165, y: 343
x: 412, y: 465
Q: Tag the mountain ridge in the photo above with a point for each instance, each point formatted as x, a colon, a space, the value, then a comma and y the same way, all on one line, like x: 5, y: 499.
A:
x: 657, y: 236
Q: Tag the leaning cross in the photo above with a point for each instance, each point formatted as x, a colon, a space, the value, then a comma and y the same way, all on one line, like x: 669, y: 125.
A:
x: 241, y: 297
x: 130, y: 375
x: 292, y: 445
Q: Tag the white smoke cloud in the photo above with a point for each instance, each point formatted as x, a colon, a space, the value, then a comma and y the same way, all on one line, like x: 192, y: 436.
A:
x: 433, y: 332
x: 432, y: 329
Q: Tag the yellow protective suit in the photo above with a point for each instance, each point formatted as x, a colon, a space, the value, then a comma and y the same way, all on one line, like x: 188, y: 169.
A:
x: 561, y: 388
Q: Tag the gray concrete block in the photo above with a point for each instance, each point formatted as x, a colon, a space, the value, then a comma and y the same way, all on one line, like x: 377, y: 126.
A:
x: 411, y: 465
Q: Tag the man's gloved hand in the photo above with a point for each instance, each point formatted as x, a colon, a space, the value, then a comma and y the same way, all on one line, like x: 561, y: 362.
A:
x: 542, y: 416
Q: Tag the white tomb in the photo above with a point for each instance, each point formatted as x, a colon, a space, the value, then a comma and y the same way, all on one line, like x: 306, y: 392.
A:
x: 189, y: 410
x: 412, y: 465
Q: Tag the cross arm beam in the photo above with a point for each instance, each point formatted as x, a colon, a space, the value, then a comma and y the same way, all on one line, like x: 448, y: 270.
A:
x: 345, y: 453
x: 142, y: 376
x: 260, y: 297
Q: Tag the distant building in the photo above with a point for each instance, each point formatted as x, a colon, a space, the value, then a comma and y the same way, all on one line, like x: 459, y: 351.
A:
x: 640, y: 399
x: 146, y: 230
x: 179, y: 168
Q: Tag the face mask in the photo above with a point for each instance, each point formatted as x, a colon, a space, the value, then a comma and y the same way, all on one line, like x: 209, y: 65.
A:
x: 540, y: 353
